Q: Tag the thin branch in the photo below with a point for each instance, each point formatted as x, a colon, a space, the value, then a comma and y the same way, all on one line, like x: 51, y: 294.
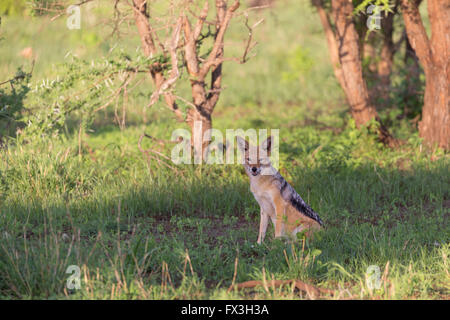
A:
x: 201, y: 20
x: 249, y: 45
x: 175, y: 73
x: 63, y: 11
x: 158, y: 154
x: 218, y: 43
x: 20, y: 76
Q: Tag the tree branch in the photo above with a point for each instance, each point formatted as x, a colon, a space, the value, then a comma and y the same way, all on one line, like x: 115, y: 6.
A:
x: 201, y: 21
x: 190, y: 49
x: 218, y: 43
x: 143, y: 24
x: 175, y: 73
x: 417, y: 35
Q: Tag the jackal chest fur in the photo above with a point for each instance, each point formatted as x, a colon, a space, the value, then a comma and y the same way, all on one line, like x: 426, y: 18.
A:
x: 263, y: 189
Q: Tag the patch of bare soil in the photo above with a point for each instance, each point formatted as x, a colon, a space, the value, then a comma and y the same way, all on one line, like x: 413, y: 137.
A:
x: 162, y: 227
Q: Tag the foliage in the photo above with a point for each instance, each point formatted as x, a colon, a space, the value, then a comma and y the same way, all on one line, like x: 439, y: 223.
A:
x: 78, y: 92
x: 300, y: 64
x: 383, y: 5
x: 407, y: 97
x: 12, y: 102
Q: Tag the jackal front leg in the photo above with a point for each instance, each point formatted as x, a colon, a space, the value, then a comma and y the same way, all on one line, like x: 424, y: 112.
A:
x: 280, y: 216
x: 264, y: 219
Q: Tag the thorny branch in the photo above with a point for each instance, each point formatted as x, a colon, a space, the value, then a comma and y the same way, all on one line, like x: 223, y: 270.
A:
x: 154, y: 154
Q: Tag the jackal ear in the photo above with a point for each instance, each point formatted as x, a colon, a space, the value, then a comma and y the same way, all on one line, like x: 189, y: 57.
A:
x: 242, y: 144
x: 267, y: 145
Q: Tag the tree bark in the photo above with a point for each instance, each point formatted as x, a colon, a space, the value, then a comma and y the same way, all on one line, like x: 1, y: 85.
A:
x: 434, y: 56
x: 348, y: 50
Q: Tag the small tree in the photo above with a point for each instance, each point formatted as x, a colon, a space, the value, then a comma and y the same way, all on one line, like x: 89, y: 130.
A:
x: 204, y: 95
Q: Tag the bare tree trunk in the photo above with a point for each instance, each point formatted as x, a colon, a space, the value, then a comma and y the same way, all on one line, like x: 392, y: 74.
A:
x: 434, y: 55
x: 344, y: 49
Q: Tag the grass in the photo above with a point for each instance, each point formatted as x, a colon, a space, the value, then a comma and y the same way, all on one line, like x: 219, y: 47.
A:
x: 139, y: 230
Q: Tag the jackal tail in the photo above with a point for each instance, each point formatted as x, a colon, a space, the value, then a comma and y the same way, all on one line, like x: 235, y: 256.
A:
x: 289, y: 194
x: 298, y: 203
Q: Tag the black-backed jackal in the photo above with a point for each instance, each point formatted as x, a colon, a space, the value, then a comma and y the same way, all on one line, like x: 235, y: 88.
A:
x: 276, y: 197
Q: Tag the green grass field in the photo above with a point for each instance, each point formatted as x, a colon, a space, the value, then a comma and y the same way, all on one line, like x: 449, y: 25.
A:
x: 139, y: 230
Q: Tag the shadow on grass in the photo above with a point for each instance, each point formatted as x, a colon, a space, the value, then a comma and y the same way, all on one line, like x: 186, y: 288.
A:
x: 12, y: 103
x: 150, y: 228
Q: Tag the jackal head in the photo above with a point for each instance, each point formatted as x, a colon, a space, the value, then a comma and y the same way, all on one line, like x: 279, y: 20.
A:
x: 256, y: 159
